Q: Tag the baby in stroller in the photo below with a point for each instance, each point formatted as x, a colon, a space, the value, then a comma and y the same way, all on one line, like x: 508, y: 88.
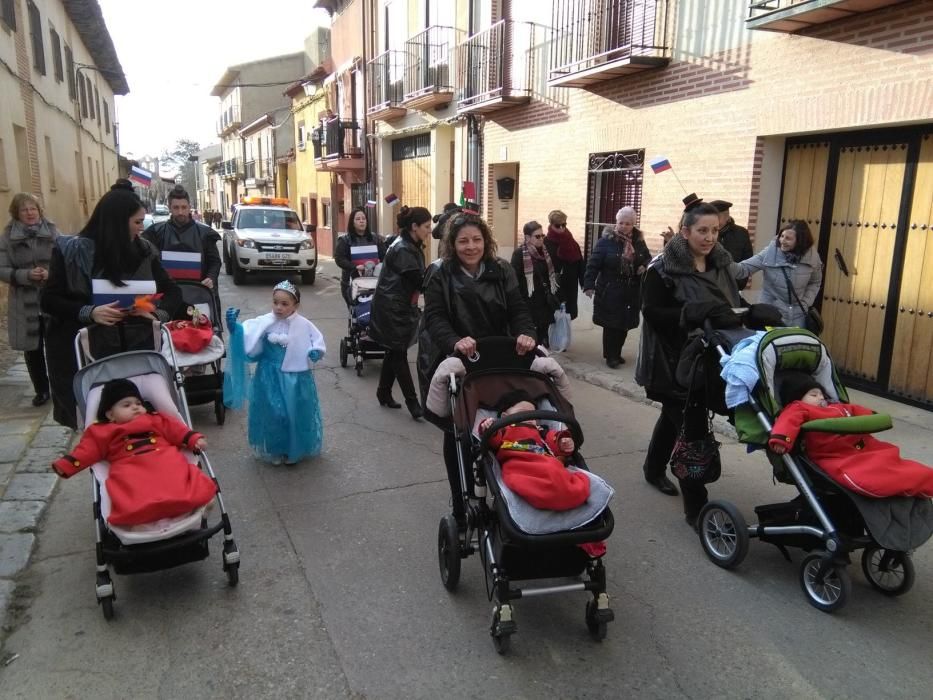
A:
x: 149, y: 477
x: 856, y: 461
x: 533, y: 458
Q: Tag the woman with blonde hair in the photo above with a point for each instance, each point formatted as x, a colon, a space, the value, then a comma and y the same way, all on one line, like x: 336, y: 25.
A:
x: 567, y: 258
x: 25, y: 252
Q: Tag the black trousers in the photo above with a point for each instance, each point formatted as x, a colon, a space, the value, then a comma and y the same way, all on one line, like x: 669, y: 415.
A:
x: 613, y: 340
x: 35, y: 363
x: 395, y: 366
x: 662, y: 442
x: 453, y: 476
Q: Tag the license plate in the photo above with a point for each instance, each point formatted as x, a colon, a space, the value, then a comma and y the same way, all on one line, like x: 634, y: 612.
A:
x: 277, y: 256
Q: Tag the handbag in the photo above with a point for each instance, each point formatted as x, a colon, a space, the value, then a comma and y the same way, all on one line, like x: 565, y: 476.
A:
x: 812, y: 319
x: 696, y: 460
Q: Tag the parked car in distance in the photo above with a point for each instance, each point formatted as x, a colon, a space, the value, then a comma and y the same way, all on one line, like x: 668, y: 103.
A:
x: 265, y: 234
x: 160, y: 213
x: 147, y: 221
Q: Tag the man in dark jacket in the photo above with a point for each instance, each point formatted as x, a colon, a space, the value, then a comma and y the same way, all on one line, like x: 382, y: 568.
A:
x: 733, y: 237
x: 181, y: 233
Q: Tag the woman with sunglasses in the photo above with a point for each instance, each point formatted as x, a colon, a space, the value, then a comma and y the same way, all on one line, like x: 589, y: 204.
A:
x: 536, y: 278
x: 469, y: 294
x: 567, y: 258
x: 613, y: 281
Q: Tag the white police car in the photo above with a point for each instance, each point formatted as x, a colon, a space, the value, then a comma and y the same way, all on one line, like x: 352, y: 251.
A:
x: 265, y: 234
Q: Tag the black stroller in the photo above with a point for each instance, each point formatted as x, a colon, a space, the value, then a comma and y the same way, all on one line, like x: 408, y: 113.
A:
x: 509, y: 553
x: 172, y: 541
x: 826, y: 520
x: 357, y: 342
x: 202, y: 371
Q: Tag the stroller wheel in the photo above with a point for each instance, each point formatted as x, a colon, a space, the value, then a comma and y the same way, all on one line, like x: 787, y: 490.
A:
x: 723, y: 533
x: 106, y: 606
x: 220, y: 411
x: 502, y: 629
x: 597, y: 619
x: 343, y: 352
x: 448, y: 552
x: 827, y: 590
x: 890, y: 572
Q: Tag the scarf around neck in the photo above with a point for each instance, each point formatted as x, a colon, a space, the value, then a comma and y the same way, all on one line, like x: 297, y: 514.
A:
x: 568, y: 250
x: 628, y: 250
x: 529, y: 254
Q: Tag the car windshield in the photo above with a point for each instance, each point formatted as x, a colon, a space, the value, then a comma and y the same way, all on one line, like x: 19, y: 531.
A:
x: 266, y: 218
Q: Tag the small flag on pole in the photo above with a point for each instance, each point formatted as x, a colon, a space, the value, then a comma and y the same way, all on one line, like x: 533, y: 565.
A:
x: 660, y: 164
x: 391, y: 199
x: 140, y: 176
x: 371, y: 203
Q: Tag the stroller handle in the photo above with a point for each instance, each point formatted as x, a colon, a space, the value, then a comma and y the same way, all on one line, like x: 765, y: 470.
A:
x: 523, y: 416
x: 502, y: 349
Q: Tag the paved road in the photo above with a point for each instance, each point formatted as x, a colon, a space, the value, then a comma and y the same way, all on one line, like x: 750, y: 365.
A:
x: 340, y: 596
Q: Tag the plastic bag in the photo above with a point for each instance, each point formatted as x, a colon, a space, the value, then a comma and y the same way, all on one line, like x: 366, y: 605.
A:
x: 559, y: 331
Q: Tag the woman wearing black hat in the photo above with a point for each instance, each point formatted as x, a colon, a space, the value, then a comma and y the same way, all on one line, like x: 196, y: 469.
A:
x: 690, y: 281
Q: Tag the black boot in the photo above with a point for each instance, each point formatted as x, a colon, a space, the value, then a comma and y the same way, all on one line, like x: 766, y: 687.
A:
x: 385, y: 398
x: 414, y: 408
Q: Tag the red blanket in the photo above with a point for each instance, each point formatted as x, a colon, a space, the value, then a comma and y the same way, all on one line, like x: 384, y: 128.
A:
x: 860, y: 463
x: 531, y: 468
x: 149, y: 478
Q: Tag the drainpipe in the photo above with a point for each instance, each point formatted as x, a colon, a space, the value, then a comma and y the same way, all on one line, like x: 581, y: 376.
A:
x: 474, y: 153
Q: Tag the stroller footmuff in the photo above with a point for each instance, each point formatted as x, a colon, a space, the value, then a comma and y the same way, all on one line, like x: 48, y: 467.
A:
x: 514, y: 541
x: 825, y: 520
x: 357, y: 343
x: 168, y: 542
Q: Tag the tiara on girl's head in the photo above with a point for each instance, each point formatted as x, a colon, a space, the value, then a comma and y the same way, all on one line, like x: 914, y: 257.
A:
x: 287, y: 286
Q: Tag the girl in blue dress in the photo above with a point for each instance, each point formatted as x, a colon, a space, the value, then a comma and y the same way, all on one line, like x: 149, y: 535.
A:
x: 285, y: 422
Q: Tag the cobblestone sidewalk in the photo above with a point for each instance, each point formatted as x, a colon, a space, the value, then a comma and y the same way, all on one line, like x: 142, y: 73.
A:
x: 29, y: 441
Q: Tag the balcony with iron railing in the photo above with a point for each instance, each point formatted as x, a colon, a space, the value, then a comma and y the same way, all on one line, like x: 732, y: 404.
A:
x: 385, y: 74
x: 337, y: 145
x: 429, y: 74
x: 228, y: 120
x: 794, y: 15
x: 596, y: 40
x: 494, y: 67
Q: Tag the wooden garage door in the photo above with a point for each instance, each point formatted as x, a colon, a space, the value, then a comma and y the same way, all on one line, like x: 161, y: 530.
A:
x: 805, y: 183
x: 411, y: 179
x: 911, y: 366
x: 869, y: 185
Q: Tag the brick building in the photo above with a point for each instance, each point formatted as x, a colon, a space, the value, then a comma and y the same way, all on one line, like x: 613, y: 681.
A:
x: 59, y: 73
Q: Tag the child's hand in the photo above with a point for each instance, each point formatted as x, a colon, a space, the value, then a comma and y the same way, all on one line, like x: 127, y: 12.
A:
x: 777, y: 446
x: 315, y: 354
x: 485, y: 423
x: 200, y: 444
x: 566, y: 445
x: 232, y: 315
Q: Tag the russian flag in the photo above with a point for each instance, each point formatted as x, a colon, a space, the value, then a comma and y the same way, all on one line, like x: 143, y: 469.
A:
x: 660, y: 164
x: 181, y: 265
x: 362, y: 254
x: 391, y: 199
x: 105, y: 292
x: 140, y: 176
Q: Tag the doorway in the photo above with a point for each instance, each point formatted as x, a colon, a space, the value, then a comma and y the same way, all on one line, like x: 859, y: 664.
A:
x: 868, y: 197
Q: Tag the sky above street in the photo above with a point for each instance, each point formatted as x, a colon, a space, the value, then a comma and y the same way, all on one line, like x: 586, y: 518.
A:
x: 173, y: 52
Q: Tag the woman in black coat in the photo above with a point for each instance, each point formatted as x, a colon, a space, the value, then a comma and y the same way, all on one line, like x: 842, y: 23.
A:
x: 567, y: 258
x: 471, y: 294
x: 369, y: 247
x: 692, y: 280
x: 613, y: 279
x: 395, y: 313
x: 537, y: 281
x: 108, y: 249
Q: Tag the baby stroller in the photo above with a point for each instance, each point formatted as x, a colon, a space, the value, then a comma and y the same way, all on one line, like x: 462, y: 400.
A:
x: 516, y: 542
x: 169, y: 542
x: 357, y: 342
x: 826, y: 520
x: 202, y: 371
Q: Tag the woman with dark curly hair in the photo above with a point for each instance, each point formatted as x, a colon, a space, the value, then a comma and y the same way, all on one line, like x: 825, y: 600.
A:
x: 471, y: 294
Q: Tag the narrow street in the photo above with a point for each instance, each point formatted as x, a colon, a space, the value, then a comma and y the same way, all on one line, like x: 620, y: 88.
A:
x: 339, y: 593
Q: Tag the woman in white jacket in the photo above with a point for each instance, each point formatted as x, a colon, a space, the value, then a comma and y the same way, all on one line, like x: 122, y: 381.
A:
x: 793, y: 272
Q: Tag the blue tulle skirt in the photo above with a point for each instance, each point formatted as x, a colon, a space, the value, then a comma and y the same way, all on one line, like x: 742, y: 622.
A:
x: 284, y: 411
